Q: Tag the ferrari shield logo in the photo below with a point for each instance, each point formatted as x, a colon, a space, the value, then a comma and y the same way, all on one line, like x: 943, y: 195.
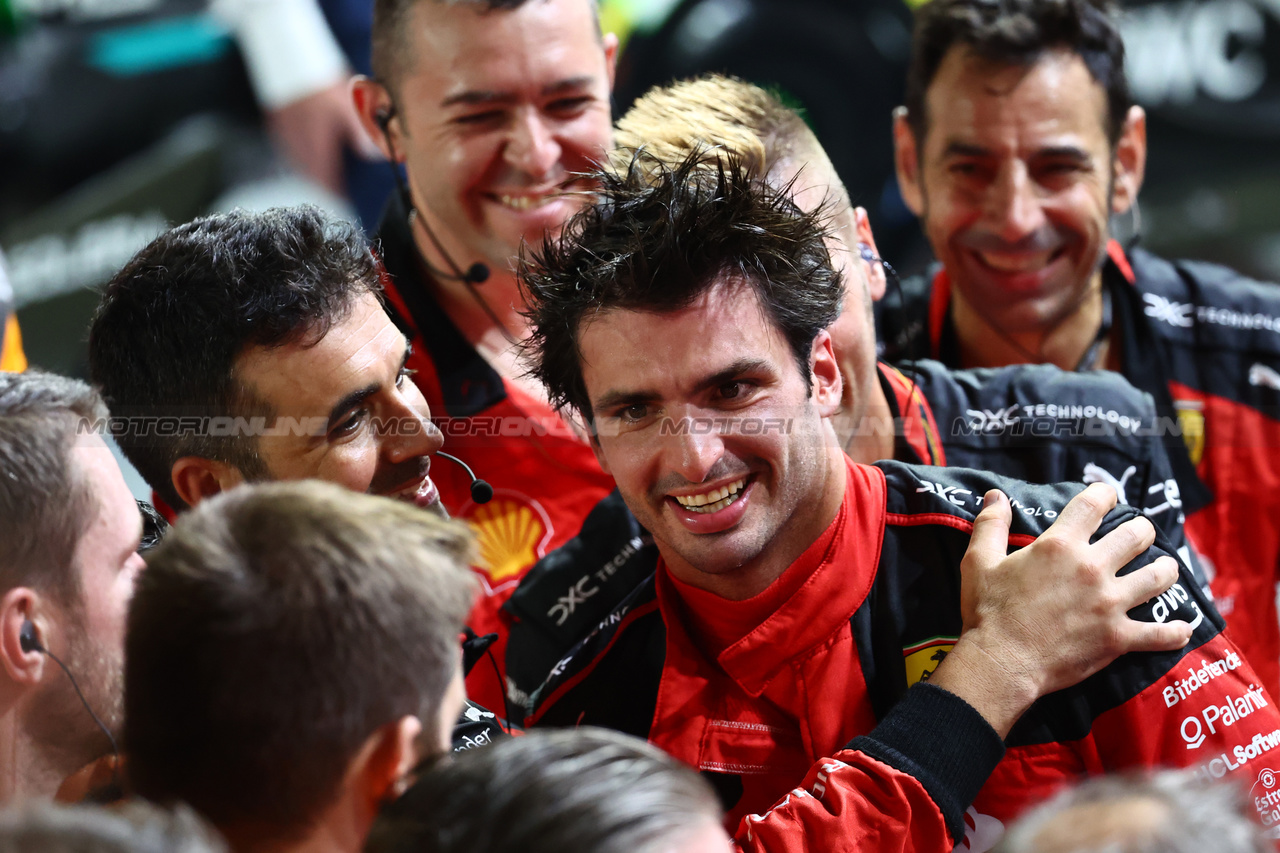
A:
x: 1191, y: 419
x: 923, y: 658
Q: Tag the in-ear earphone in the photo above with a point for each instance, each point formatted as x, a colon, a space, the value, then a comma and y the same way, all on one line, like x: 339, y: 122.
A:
x: 865, y: 252
x: 27, y: 638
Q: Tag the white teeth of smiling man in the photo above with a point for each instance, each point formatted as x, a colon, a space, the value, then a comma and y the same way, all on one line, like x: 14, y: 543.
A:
x: 714, y: 500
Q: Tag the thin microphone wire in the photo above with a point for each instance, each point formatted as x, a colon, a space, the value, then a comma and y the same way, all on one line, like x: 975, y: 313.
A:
x: 478, y: 486
x: 115, y: 750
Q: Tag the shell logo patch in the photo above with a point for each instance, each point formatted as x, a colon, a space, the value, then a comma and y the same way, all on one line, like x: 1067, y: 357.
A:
x: 1191, y: 419
x: 923, y: 658
x: 512, y: 532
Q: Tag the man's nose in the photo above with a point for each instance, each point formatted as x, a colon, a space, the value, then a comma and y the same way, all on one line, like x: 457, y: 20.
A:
x: 1014, y: 207
x: 697, y: 446
x: 413, y: 435
x: 532, y: 147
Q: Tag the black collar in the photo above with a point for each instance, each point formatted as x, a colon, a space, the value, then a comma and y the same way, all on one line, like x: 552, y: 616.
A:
x: 468, y: 383
x: 1142, y: 362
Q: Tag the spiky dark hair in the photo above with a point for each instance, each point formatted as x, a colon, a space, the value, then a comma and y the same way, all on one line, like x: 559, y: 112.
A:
x: 660, y: 235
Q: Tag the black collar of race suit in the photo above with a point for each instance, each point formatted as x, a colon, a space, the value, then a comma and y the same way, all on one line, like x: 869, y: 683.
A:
x: 903, y: 449
x: 468, y: 383
x: 1142, y: 363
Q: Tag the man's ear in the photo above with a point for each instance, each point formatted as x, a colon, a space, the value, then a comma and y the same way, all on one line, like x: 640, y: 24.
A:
x: 906, y: 160
x: 18, y: 606
x: 377, y: 115
x: 876, y: 278
x: 1129, y: 161
x: 196, y: 478
x: 389, y: 755
x: 824, y: 373
x: 610, y: 56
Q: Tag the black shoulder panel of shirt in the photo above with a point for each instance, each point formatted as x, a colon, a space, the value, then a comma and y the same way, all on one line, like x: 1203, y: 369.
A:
x: 1219, y: 331
x: 1038, y: 423
x: 468, y: 383
x: 569, y: 591
x: 916, y: 594
x: 611, y: 678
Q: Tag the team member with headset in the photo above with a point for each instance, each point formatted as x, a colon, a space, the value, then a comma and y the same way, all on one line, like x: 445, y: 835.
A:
x: 69, y: 539
x: 491, y: 108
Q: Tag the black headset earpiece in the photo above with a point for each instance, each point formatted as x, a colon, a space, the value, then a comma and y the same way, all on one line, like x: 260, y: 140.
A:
x: 27, y: 638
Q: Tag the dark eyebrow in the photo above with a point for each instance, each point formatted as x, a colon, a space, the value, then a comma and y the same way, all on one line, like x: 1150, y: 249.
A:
x: 478, y: 97
x: 964, y: 149
x: 1069, y: 152
x: 730, y: 373
x: 620, y: 399
x: 359, y: 396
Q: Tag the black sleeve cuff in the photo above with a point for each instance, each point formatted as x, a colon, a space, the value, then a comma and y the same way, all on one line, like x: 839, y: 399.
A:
x: 943, y: 742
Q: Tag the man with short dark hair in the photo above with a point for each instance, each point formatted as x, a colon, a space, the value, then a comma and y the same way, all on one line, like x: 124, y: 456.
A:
x: 1018, y: 142
x: 493, y: 107
x: 69, y: 536
x: 292, y: 654
x: 685, y: 317
x: 251, y: 346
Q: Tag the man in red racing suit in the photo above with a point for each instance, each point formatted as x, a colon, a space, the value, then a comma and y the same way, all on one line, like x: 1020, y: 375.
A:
x: 674, y: 315
x: 870, y: 609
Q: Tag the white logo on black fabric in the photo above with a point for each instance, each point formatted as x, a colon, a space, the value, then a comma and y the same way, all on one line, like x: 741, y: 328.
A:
x: 1097, y: 474
x: 1166, y: 311
x: 985, y: 420
x: 947, y: 493
x: 1262, y: 376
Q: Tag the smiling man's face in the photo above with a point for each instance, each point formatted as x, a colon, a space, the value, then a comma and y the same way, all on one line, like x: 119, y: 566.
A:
x: 1014, y: 184
x: 377, y: 434
x: 723, y: 502
x: 496, y: 113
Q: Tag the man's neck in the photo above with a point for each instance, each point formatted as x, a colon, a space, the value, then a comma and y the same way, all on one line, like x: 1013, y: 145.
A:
x: 489, y: 315
x: 755, y: 577
x: 1064, y: 343
x: 26, y: 771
